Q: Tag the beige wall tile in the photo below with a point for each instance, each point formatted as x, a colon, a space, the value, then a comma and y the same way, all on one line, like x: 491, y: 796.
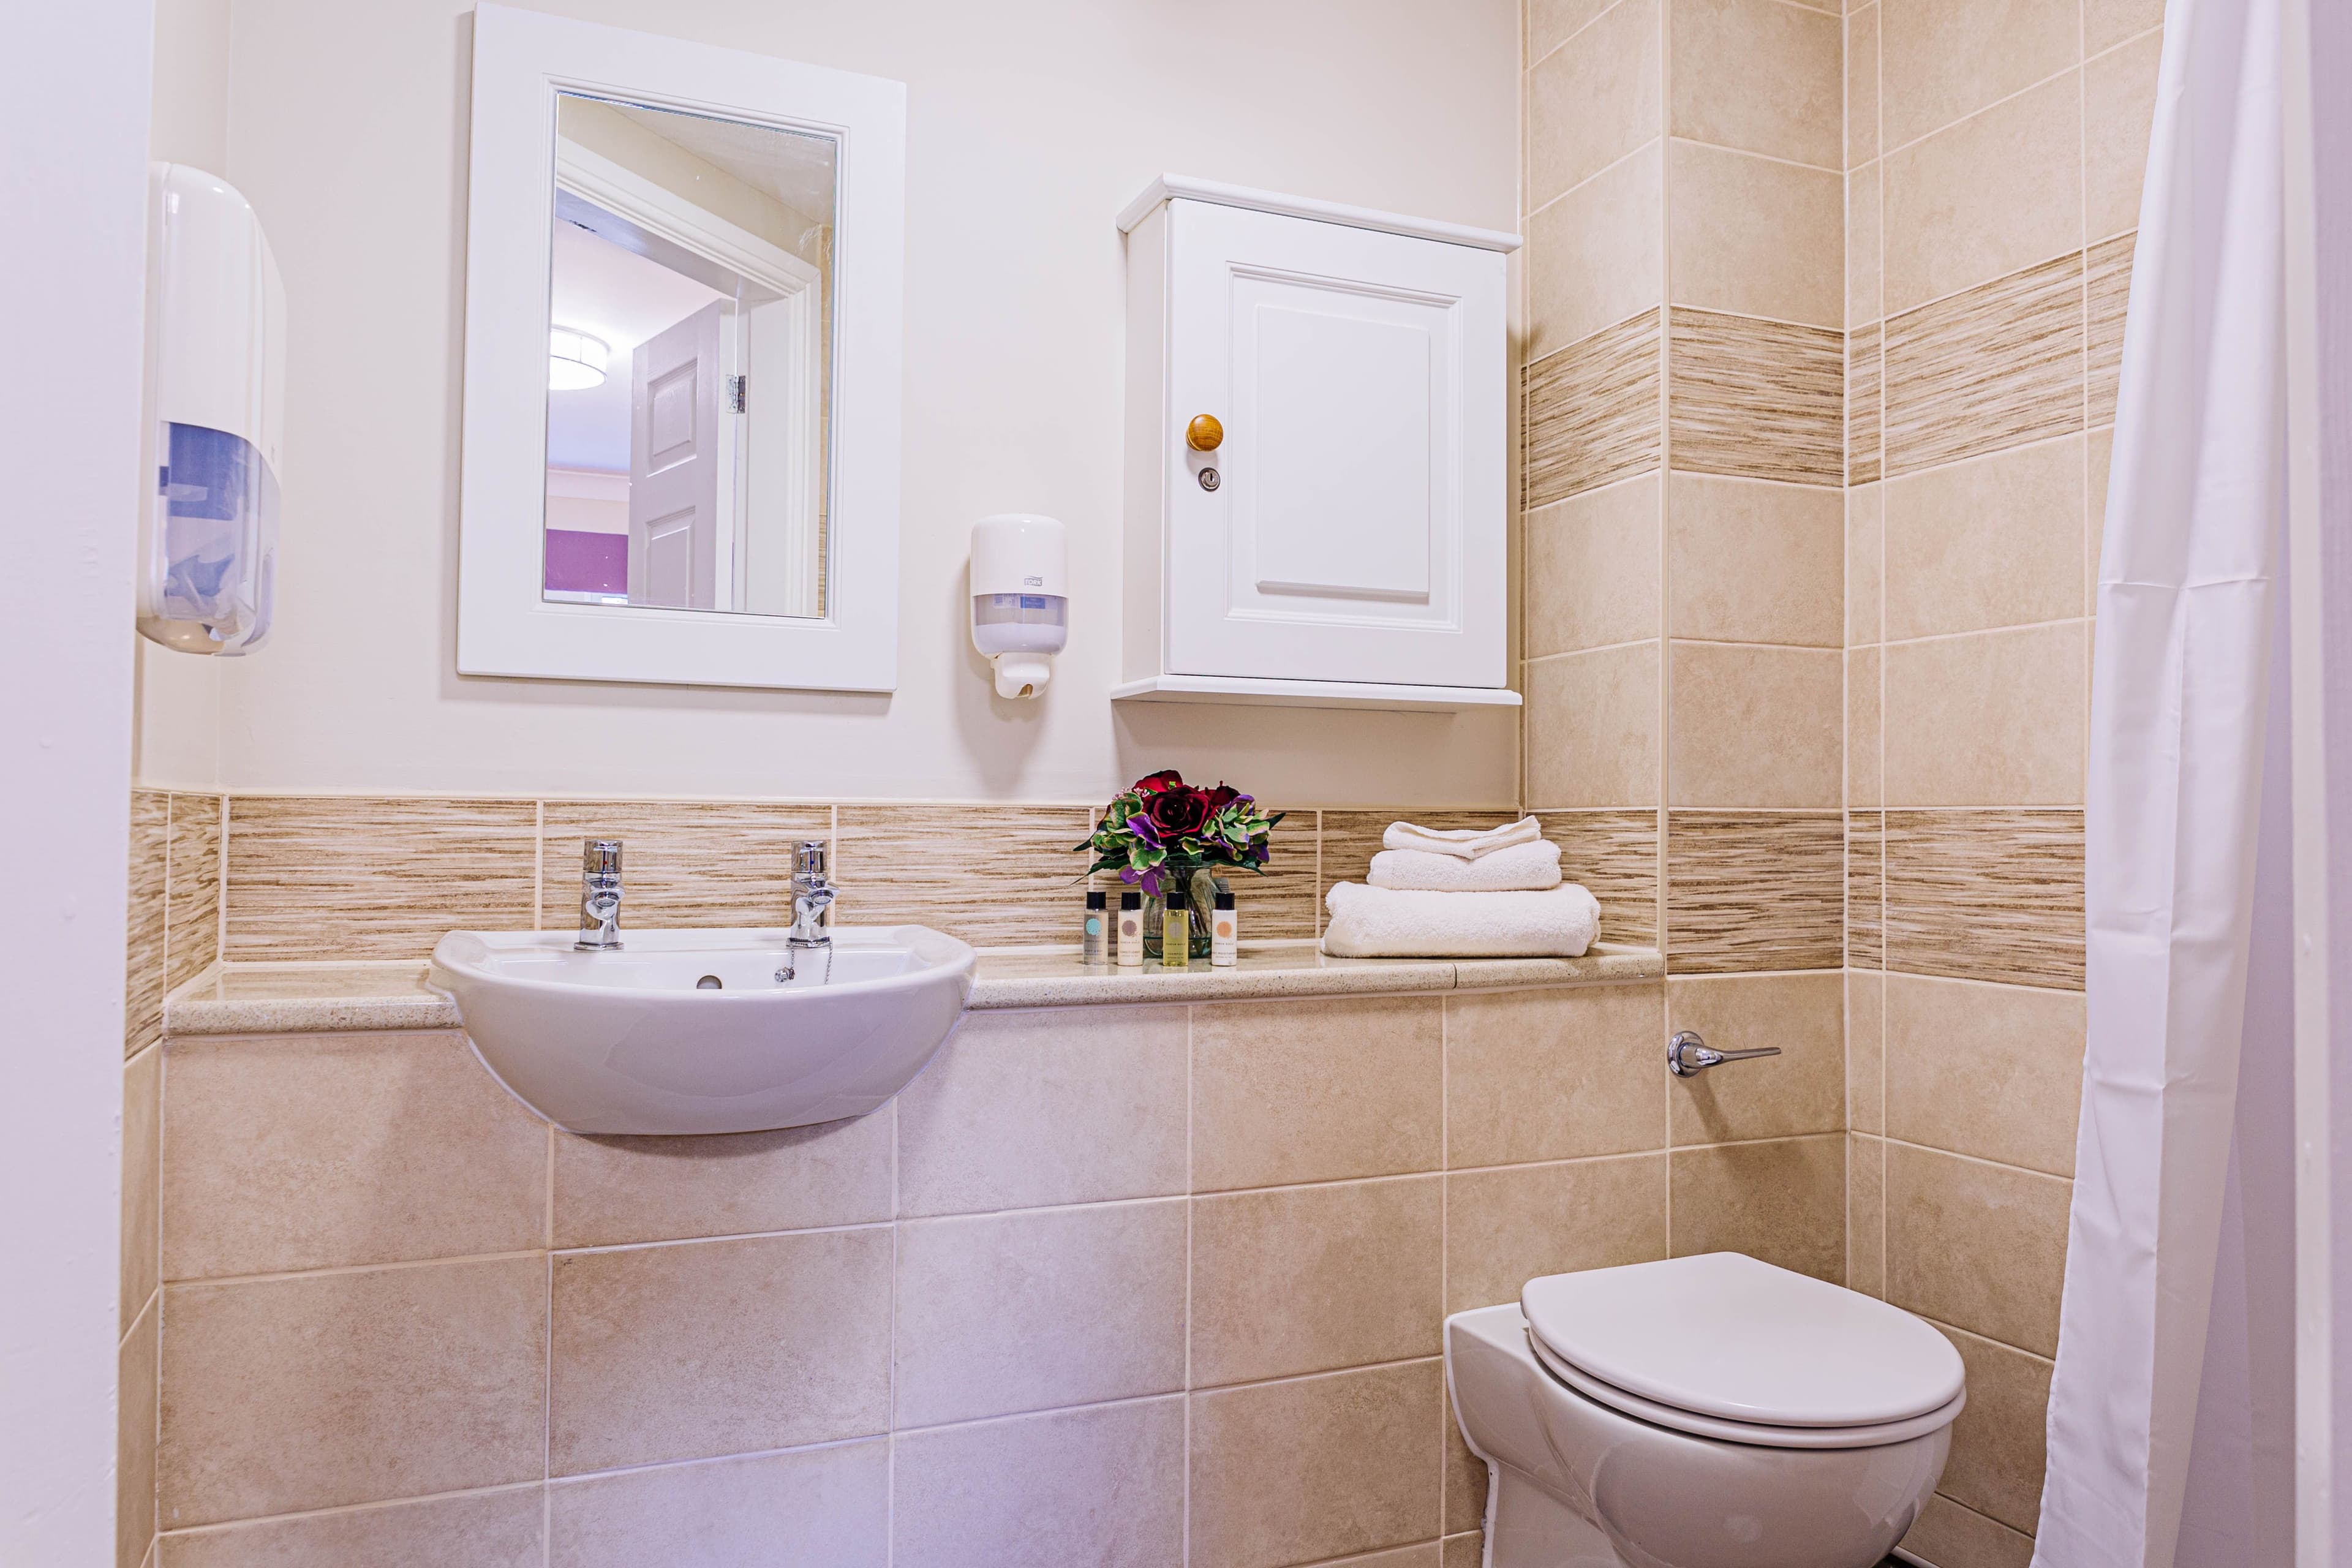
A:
x: 345, y: 877
x: 1315, y: 1092
x: 1866, y: 889
x: 1945, y: 59
x: 1865, y: 405
x: 143, y: 1127
x: 1866, y: 1216
x: 1754, y: 889
x: 1104, y: 1486
x: 1590, y: 412
x: 1071, y: 1105
x: 1313, y: 1278
x: 1592, y: 730
x: 1592, y: 569
x: 1978, y: 200
x: 1010, y: 1312
x: 1865, y: 562
x: 143, y: 957
x: 2118, y: 105
x: 1614, y: 854
x: 2106, y: 290
x: 2107, y: 23
x: 135, y: 1385
x: 684, y: 863
x: 1595, y: 255
x: 1995, y: 1071
x: 1863, y: 243
x: 1351, y: 839
x: 1951, y: 1536
x: 1865, y: 1050
x: 704, y: 1348
x: 1025, y: 889
x: 1751, y: 562
x: 1986, y: 895
x: 1783, y: 1201
x: 282, y: 1395
x: 1553, y: 1075
x: 1464, y: 1551
x: 1757, y: 76
x: 1315, y: 1467
x: 1800, y: 1091
x: 1755, y: 726
x: 1756, y: 236
x: 1863, y: 27
x: 1862, y: 728
x: 1979, y: 1247
x: 1762, y: 399
x: 1988, y: 719
x: 2099, y: 454
x: 481, y: 1530
x: 287, y: 1152
x: 1550, y: 23
x: 820, y: 1508
x: 611, y: 1191
x: 1516, y: 1223
x: 193, y: 896
x: 1465, y: 1480
x: 1996, y: 366
x: 1593, y: 101
x: 1993, y: 542
x: 1999, y: 1443
x: 1427, y: 1554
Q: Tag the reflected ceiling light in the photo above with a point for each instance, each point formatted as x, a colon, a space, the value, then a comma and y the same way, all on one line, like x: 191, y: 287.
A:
x: 574, y: 359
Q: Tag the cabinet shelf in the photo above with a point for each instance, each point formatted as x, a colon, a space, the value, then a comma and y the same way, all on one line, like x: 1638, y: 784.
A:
x: 1253, y: 692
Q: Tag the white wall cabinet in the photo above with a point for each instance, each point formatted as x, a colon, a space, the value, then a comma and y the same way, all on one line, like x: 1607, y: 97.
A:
x: 1345, y: 542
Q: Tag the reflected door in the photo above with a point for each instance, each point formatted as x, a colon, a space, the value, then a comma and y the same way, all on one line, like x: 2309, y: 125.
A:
x: 675, y: 463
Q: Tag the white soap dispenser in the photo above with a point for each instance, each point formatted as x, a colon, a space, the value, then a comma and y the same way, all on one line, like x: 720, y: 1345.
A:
x: 1020, y: 598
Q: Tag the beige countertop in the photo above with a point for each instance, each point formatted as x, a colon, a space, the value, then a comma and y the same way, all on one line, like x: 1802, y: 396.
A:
x: 314, y: 998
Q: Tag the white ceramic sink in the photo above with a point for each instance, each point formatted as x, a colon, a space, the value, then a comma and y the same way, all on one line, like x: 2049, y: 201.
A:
x: 638, y: 1041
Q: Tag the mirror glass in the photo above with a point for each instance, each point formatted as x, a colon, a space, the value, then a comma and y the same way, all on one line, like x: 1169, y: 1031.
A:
x: 689, y: 348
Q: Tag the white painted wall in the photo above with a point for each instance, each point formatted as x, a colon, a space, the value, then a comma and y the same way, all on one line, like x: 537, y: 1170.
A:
x: 1031, y: 123
x: 73, y: 174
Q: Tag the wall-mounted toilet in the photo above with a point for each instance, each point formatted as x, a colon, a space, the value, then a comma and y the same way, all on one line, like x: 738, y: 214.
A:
x: 1708, y: 1412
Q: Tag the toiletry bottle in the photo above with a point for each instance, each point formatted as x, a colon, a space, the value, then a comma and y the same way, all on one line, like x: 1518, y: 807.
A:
x: 1176, y: 939
x: 1094, y: 939
x: 1224, y: 933
x: 1131, y: 931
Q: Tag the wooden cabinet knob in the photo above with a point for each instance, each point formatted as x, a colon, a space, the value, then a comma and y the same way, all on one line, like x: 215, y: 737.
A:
x: 1204, y: 433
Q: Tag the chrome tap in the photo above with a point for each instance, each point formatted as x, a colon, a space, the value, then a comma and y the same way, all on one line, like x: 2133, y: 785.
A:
x: 813, y: 894
x: 600, y: 896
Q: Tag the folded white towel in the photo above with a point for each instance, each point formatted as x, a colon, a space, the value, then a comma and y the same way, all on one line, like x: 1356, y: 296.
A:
x: 1462, y: 843
x: 1521, y: 868
x: 1390, y: 922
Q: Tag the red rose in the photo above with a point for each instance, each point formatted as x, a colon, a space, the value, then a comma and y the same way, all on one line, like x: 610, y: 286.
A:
x: 1177, y: 809
x: 1165, y: 779
x: 1221, y: 796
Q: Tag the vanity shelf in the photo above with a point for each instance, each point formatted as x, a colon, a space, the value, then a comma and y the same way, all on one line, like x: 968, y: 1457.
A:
x: 1255, y: 693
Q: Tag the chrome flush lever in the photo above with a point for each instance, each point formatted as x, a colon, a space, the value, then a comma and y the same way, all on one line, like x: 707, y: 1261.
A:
x: 1687, y: 1056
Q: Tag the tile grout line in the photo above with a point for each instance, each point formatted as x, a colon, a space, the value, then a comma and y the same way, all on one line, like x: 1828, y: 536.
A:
x: 1191, y: 1203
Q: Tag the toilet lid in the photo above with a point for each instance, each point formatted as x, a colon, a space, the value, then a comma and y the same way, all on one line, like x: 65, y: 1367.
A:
x: 1727, y: 1335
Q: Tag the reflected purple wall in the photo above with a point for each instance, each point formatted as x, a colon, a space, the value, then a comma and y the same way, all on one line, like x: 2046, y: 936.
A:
x: 579, y: 563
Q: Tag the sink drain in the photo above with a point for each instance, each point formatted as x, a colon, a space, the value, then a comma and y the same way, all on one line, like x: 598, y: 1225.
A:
x: 709, y: 982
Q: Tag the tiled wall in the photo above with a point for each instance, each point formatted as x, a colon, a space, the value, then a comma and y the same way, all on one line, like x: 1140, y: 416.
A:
x: 1994, y: 156
x: 1103, y: 1286
x: 174, y: 933
x: 1682, y: 460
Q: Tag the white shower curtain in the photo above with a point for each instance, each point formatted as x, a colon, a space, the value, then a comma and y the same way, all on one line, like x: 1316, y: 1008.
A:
x: 2179, y: 709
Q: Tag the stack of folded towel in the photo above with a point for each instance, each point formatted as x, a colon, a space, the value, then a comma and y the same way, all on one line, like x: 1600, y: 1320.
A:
x: 1454, y: 893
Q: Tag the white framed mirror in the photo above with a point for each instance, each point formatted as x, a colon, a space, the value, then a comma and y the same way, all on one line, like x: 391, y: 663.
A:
x: 683, y: 279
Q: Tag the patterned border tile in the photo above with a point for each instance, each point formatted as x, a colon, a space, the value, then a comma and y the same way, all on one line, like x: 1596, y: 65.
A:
x: 145, y: 942
x: 191, y: 891
x: 1590, y: 412
x: 1614, y: 854
x: 1865, y: 409
x: 1997, y: 365
x: 1286, y: 902
x: 1754, y: 889
x: 1986, y: 895
x: 683, y: 863
x: 1765, y: 400
x: 321, y: 876
x: 2106, y: 290
x: 996, y: 875
x: 1865, y: 887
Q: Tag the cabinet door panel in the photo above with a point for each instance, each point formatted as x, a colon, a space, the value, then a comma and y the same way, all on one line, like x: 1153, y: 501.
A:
x: 1357, y: 530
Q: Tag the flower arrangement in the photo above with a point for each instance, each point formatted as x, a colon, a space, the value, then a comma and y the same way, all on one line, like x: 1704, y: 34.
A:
x: 1161, y: 829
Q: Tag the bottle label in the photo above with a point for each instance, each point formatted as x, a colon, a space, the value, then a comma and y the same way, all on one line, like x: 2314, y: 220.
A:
x: 1093, y: 925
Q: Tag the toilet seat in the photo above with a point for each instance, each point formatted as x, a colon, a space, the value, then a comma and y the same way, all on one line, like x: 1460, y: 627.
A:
x: 1724, y: 1345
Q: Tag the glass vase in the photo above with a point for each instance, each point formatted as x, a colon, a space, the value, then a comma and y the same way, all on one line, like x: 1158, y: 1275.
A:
x: 1203, y: 887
